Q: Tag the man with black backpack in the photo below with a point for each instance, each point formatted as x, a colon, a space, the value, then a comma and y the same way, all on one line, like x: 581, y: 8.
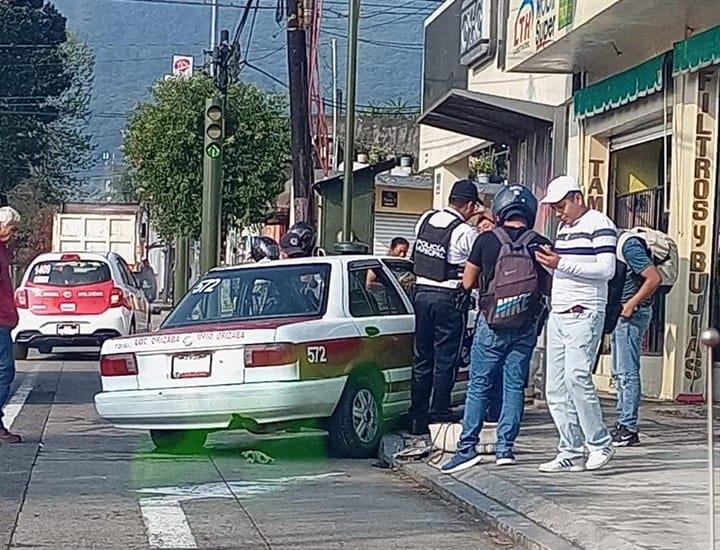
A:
x: 512, y: 289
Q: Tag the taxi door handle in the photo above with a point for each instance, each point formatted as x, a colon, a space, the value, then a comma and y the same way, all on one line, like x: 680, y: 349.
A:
x: 372, y: 331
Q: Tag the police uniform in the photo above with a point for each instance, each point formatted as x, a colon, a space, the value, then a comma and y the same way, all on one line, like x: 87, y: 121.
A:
x: 442, y: 246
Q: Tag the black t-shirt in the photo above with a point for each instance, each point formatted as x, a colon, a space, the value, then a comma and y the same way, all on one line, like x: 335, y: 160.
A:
x: 486, y: 250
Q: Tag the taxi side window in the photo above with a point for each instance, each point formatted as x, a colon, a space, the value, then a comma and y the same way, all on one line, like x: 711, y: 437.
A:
x: 372, y: 294
x: 403, y: 272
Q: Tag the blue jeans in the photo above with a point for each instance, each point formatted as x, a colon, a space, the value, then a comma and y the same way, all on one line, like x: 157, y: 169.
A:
x: 7, y: 367
x: 497, y: 353
x: 626, y: 342
x: 573, y: 341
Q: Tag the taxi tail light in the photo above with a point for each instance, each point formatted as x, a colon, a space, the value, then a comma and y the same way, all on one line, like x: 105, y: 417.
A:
x: 118, y: 365
x: 21, y: 298
x: 117, y: 298
x: 270, y: 355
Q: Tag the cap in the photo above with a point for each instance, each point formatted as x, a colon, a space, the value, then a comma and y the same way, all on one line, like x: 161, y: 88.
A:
x: 465, y: 190
x: 290, y: 244
x: 559, y: 188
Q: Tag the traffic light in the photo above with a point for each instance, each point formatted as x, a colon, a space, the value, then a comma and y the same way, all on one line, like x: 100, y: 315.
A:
x: 214, y: 127
x: 212, y: 183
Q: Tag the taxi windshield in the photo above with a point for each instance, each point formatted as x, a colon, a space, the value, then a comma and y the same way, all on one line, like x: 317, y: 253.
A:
x: 254, y: 293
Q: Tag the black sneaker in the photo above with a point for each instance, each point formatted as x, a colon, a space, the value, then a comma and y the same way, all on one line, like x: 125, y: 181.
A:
x: 623, y: 437
x: 615, y: 429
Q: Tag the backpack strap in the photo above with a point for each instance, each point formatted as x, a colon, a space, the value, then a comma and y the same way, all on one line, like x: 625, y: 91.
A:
x: 527, y: 237
x: 502, y: 236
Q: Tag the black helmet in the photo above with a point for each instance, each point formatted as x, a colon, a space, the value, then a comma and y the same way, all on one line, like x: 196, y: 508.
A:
x: 264, y: 247
x: 299, y: 240
x: 515, y: 200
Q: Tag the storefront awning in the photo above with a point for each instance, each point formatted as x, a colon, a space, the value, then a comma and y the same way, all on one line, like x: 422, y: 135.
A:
x: 486, y: 116
x: 620, y: 89
x: 698, y: 52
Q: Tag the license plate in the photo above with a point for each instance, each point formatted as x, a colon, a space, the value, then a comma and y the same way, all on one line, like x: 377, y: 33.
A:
x: 68, y: 330
x: 191, y: 365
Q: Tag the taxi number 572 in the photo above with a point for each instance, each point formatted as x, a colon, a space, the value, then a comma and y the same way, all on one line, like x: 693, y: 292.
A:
x: 316, y: 354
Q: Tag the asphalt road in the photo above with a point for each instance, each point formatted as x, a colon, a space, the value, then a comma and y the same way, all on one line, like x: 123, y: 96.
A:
x: 77, y: 482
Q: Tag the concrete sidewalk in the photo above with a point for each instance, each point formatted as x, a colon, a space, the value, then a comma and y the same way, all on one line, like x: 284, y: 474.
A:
x: 651, y: 496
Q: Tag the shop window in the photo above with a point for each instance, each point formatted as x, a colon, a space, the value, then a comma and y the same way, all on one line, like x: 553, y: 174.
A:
x: 638, y: 185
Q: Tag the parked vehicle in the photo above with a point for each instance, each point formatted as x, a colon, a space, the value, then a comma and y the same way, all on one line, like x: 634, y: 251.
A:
x: 77, y: 299
x: 101, y: 227
x: 264, y: 346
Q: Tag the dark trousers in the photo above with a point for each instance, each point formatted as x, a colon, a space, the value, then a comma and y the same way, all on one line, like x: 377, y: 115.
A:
x: 439, y: 330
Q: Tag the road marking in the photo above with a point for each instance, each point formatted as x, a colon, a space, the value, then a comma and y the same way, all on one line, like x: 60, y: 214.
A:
x: 166, y: 524
x: 16, y: 402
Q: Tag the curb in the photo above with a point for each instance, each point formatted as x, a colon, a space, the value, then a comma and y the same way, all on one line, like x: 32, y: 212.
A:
x: 520, y: 529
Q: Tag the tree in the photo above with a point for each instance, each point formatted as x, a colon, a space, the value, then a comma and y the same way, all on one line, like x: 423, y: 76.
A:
x: 35, y: 77
x: 164, y: 144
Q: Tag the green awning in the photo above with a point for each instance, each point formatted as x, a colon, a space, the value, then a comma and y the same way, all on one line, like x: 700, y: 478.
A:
x: 620, y: 89
x: 698, y: 52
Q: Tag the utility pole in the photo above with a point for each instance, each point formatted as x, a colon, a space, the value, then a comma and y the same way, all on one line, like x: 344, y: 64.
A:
x: 301, y: 149
x: 349, y: 246
x: 180, y: 273
x: 335, y: 104
x: 213, y: 137
x: 213, y: 26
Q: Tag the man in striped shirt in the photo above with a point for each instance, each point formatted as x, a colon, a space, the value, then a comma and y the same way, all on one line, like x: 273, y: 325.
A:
x: 583, y: 261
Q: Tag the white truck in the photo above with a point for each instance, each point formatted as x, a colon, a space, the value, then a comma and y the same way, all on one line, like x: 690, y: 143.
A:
x: 101, y: 227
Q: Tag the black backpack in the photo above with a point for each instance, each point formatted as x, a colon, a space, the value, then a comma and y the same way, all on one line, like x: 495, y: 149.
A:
x: 513, y: 297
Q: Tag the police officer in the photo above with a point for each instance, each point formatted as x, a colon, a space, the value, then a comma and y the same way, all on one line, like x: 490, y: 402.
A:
x: 443, y: 243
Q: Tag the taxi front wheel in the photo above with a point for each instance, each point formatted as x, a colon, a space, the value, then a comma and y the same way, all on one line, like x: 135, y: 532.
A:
x: 356, y: 426
x: 178, y: 441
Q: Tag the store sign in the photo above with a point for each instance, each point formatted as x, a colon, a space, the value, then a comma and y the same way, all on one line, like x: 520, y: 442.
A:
x: 596, y: 188
x: 389, y: 199
x: 566, y: 13
x: 476, y: 31
x: 523, y: 27
x: 545, y: 23
x: 704, y: 174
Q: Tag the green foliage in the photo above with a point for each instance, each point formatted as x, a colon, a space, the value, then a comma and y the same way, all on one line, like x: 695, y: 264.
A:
x: 164, y: 144
x: 44, y: 79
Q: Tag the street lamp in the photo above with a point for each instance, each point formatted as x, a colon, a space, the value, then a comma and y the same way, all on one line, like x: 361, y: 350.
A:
x: 710, y: 337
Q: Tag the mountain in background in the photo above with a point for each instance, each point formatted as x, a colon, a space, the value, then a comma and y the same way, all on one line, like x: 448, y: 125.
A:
x: 134, y: 41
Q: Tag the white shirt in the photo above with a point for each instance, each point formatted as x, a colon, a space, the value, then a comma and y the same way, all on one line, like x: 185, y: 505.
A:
x: 587, y: 263
x: 461, y: 241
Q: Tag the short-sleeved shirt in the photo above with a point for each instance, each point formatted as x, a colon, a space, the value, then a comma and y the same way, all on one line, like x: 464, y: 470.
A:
x: 638, y: 260
x: 486, y: 250
x: 461, y: 241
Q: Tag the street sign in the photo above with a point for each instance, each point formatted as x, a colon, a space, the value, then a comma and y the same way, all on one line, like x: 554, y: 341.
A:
x: 213, y: 151
x: 182, y: 65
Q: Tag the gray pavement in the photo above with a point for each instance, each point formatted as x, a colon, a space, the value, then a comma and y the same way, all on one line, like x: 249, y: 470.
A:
x: 77, y: 482
x: 651, y: 496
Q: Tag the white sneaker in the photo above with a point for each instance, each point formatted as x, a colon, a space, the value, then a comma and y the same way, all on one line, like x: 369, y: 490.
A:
x: 559, y: 465
x: 598, y: 459
x: 505, y: 461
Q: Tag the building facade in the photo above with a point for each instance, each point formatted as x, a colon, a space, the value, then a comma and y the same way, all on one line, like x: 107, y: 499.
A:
x: 643, y: 137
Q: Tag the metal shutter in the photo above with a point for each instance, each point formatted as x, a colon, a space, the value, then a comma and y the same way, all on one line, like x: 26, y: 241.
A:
x: 389, y: 226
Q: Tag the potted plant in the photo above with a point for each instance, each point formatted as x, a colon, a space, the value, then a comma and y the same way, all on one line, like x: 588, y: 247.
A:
x: 482, y: 166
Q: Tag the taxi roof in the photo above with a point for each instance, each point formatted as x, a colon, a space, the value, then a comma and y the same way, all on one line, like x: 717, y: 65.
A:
x: 333, y: 260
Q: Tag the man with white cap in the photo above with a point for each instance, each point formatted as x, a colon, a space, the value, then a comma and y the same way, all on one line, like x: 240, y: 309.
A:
x: 583, y: 261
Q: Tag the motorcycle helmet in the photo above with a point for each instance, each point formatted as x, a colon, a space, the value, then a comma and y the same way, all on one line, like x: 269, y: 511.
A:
x: 299, y: 240
x: 515, y: 200
x: 264, y: 247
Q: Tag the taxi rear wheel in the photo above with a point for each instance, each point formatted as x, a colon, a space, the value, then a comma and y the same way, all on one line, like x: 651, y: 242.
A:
x: 178, y: 441
x: 21, y: 352
x: 356, y: 426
